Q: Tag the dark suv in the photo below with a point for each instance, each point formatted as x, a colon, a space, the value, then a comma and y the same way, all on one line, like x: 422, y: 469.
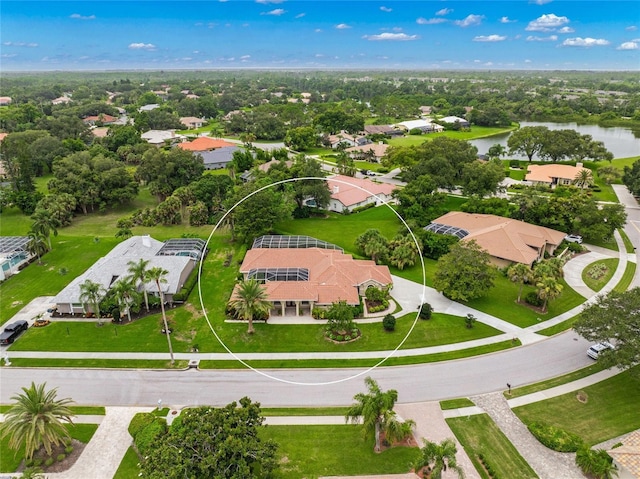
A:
x: 12, y: 331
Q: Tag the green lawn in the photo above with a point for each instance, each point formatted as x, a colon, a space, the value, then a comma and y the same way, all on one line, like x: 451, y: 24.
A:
x: 304, y: 411
x: 610, y: 411
x: 604, y: 267
x: 479, y: 435
x: 473, y: 133
x: 456, y: 403
x: 312, y: 451
x: 557, y: 381
x: 128, y: 466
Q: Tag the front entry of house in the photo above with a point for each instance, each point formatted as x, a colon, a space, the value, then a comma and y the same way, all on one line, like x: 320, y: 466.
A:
x: 292, y: 308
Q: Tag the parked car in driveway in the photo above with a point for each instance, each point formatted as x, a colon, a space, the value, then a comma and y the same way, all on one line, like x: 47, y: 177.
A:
x: 573, y: 239
x: 594, y: 351
x: 12, y: 331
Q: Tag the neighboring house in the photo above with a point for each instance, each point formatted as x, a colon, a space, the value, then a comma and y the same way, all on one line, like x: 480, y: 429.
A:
x: 387, y: 130
x: 427, y: 126
x: 177, y: 256
x: 100, y: 132
x: 455, y: 119
x: 204, y: 143
x: 348, y: 193
x: 61, y: 100
x: 627, y: 456
x: 425, y: 110
x: 218, y: 159
x: 149, y: 107
x: 13, y: 254
x: 5, y: 100
x: 101, y: 118
x: 371, y: 152
x: 300, y: 273
x: 344, y: 138
x: 162, y: 137
x: 265, y: 166
x: 506, y: 240
x: 192, y: 122
x: 553, y: 175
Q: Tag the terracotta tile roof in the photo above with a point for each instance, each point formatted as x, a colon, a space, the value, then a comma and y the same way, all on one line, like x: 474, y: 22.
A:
x: 546, y: 173
x: 100, y: 132
x: 3, y: 136
x: 379, y: 149
x: 104, y: 118
x: 628, y: 455
x: 333, y: 275
x: 351, y: 191
x: 204, y: 143
x: 265, y: 166
x: 501, y: 237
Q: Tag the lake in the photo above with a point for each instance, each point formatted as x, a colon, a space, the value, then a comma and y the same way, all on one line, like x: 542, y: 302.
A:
x: 619, y: 141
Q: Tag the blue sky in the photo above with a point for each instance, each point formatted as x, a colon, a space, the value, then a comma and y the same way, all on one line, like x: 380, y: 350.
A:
x: 496, y: 35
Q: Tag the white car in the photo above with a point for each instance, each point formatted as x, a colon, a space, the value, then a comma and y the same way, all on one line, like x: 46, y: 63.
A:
x: 594, y: 351
x: 573, y: 238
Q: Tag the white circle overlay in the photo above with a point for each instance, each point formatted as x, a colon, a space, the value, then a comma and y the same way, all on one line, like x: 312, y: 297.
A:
x: 322, y: 383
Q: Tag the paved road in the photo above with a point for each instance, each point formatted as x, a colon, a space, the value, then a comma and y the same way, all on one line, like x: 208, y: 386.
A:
x: 425, y: 382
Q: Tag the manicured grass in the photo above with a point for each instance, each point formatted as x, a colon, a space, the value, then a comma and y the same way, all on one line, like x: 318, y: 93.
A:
x: 517, y: 174
x: 610, y: 411
x: 557, y: 381
x: 610, y: 265
x: 456, y: 403
x: 312, y: 451
x: 620, y: 163
x: 473, y: 133
x: 478, y: 434
x: 560, y: 327
x: 627, y: 242
x: 609, y: 243
x: 128, y: 466
x: 627, y: 277
x: 98, y: 363
x: 10, y: 460
x: 368, y: 165
x: 304, y: 411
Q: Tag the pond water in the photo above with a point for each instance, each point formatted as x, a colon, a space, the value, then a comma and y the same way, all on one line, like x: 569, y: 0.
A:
x: 619, y: 141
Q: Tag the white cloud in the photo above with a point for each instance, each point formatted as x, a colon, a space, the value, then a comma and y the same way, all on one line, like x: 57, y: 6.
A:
x: 444, y: 11
x: 631, y: 28
x: 546, y: 23
x: 470, y: 20
x: 142, y: 46
x: 8, y: 55
x: 550, y: 38
x: 541, y: 2
x: 629, y: 46
x: 245, y: 57
x: 277, y: 12
x: 20, y: 44
x: 506, y: 20
x: 585, y: 42
x: 489, y: 38
x: 430, y: 21
x: 398, y: 37
x: 300, y: 15
x: 527, y: 61
x: 342, y: 26
x: 566, y: 30
x: 386, y: 9
x: 77, y: 16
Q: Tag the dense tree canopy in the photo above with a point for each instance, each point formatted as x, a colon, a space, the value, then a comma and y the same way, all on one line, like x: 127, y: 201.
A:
x: 164, y: 171
x: 419, y: 201
x: 213, y: 442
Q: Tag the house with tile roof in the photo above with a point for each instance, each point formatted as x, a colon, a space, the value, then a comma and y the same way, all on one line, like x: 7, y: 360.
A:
x: 371, y: 152
x: 204, y: 143
x: 627, y: 456
x: 218, y: 158
x: 162, y: 137
x: 425, y: 125
x: 387, y: 130
x: 299, y: 278
x: 348, y: 193
x: 506, y: 240
x: 191, y: 122
x: 5, y: 100
x: 553, y: 175
x: 101, y: 118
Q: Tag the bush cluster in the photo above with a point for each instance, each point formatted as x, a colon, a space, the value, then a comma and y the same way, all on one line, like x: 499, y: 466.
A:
x: 426, y: 310
x: 389, y: 322
x: 555, y: 438
x: 145, y: 428
x: 363, y: 207
x: 487, y: 467
x: 533, y: 299
x: 188, y: 286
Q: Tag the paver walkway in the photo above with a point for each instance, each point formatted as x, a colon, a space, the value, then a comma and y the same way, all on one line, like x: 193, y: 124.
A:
x: 546, y: 463
x: 102, y: 456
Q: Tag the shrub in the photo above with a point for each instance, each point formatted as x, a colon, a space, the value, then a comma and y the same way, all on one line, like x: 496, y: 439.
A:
x: 147, y: 435
x: 555, y: 438
x: 389, y: 322
x: 48, y: 462
x: 139, y: 422
x: 425, y: 311
x: 363, y: 207
x: 594, y: 463
x: 416, y: 131
x: 339, y: 337
x: 469, y: 320
x: 532, y: 299
x: 188, y: 286
x: 347, y: 338
x: 61, y: 457
x: 68, y: 449
x: 514, y: 164
x: 37, y: 462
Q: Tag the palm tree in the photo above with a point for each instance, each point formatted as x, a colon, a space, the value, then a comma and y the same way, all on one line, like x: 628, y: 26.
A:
x: 372, y: 408
x: 37, y: 244
x: 92, y: 293
x: 439, y: 457
x: 157, y: 275
x: 584, y: 178
x: 125, y: 292
x: 596, y: 463
x: 36, y: 420
x: 250, y: 299
x: 548, y: 289
x: 139, y: 272
x: 396, y: 430
x: 45, y: 223
x: 520, y: 273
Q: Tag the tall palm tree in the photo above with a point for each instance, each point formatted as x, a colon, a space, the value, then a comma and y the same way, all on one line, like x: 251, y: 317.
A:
x: 91, y: 293
x: 584, y: 178
x: 157, y: 275
x: 37, y: 244
x: 36, y: 420
x: 139, y: 272
x: 250, y: 299
x: 439, y: 457
x: 372, y: 408
x: 548, y: 289
x: 125, y: 292
x: 520, y: 273
x: 45, y: 223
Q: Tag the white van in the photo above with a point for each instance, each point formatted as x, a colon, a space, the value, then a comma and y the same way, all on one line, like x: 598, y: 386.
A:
x: 594, y: 351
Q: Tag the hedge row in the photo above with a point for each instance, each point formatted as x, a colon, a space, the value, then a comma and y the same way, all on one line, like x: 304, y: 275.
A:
x: 145, y: 428
x: 555, y: 438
